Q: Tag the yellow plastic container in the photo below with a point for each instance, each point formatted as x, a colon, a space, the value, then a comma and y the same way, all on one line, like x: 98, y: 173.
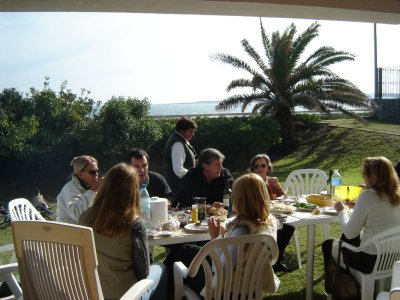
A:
x: 320, y: 200
x: 347, y: 192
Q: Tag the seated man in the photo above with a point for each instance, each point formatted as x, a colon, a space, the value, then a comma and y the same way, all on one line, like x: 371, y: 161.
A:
x: 156, y: 184
x: 207, y: 179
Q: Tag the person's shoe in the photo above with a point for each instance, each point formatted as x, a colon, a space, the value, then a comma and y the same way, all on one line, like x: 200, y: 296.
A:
x: 280, y: 267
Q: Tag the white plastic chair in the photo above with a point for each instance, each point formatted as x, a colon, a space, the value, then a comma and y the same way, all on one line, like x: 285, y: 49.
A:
x: 394, y: 293
x: 244, y: 276
x: 387, y: 244
x: 22, y: 209
x: 7, y: 273
x: 59, y: 261
x: 305, y: 182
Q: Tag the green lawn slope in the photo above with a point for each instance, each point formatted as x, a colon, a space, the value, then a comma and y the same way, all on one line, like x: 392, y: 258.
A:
x: 325, y: 147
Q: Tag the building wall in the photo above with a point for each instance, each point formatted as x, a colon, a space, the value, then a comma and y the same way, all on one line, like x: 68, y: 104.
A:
x: 387, y: 110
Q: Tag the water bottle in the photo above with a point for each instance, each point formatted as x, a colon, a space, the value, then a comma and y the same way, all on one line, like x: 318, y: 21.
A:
x: 145, y: 206
x: 336, y: 180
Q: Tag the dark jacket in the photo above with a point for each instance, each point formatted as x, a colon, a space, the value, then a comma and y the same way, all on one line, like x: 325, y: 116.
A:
x: 195, y: 185
x: 157, y: 186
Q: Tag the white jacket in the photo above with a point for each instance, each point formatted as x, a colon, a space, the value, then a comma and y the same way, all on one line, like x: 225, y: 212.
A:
x: 72, y: 201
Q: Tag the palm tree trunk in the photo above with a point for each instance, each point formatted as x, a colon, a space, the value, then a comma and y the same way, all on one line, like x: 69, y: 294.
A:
x: 285, y: 118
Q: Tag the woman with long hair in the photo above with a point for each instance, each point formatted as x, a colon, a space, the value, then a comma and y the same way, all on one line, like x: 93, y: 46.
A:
x: 120, y: 235
x: 250, y: 202
x: 376, y: 209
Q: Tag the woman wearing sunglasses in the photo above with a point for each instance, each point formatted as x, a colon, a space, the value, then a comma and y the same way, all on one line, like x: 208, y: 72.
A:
x: 261, y: 165
x: 77, y: 195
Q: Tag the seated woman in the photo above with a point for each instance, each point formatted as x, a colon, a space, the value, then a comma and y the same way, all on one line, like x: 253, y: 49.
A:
x: 250, y: 203
x: 376, y: 209
x: 261, y: 165
x: 120, y: 235
x: 77, y: 195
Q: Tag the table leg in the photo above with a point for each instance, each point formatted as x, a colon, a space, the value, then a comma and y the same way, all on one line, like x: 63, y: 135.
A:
x: 310, y: 261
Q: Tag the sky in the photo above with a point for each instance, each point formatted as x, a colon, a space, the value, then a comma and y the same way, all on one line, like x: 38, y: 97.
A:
x: 164, y: 58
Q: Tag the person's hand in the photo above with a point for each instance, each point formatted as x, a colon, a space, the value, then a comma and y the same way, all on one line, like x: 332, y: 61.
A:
x: 96, y: 185
x: 351, y: 204
x: 214, y: 226
x: 339, y: 206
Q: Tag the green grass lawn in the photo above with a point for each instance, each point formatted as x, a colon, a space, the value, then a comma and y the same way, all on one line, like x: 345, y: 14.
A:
x: 323, y: 147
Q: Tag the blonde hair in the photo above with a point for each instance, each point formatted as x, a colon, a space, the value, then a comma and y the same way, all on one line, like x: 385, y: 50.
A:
x: 79, y: 163
x: 386, y: 180
x: 117, y: 200
x: 250, y: 199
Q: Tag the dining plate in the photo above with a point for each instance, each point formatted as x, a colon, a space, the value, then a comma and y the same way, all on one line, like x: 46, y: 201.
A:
x: 193, y: 227
x: 277, y: 207
x: 306, y: 207
x: 328, y: 211
x: 164, y: 233
x: 280, y: 216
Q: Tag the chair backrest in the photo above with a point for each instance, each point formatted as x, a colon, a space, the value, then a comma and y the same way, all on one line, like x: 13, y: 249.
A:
x: 56, y: 260
x: 388, y: 251
x: 305, y: 181
x: 240, y: 274
x: 22, y: 210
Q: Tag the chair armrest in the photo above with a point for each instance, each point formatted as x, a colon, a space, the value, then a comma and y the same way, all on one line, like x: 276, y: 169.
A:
x: 180, y: 272
x: 396, y: 275
x: 139, y: 289
x: 6, y: 274
x: 351, y: 247
x: 8, y: 268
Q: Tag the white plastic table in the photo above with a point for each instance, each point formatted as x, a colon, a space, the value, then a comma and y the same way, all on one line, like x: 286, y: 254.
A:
x: 297, y: 219
x: 310, y: 220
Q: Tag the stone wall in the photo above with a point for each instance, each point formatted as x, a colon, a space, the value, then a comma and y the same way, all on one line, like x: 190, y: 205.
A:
x: 387, y: 110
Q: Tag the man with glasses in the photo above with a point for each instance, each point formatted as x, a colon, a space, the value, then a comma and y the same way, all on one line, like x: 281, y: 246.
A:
x: 156, y: 184
x: 77, y: 195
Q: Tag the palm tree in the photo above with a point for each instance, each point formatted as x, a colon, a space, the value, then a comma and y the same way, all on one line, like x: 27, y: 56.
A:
x: 282, y: 82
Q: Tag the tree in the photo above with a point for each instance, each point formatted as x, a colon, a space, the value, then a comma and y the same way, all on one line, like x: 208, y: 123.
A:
x: 282, y: 82
x: 17, y: 126
x: 125, y: 123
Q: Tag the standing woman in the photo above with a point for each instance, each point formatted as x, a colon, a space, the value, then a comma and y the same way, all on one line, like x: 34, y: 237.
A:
x: 78, y: 194
x: 376, y: 209
x: 179, y: 155
x: 261, y: 165
x: 120, y: 235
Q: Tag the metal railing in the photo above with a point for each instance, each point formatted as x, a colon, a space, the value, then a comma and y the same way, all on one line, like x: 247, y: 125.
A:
x: 387, y: 83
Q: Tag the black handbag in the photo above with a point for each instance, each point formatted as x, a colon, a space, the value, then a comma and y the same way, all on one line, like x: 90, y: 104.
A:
x: 339, y: 282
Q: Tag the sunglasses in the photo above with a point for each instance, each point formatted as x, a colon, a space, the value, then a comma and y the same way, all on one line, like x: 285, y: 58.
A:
x: 260, y: 166
x: 92, y: 172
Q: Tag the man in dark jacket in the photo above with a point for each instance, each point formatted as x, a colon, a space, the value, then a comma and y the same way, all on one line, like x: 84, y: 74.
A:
x: 208, y: 179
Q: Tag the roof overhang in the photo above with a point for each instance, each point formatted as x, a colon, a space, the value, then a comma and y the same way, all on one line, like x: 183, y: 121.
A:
x: 375, y: 11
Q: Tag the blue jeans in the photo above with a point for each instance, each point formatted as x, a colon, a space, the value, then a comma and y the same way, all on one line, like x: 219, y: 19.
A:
x: 158, y: 274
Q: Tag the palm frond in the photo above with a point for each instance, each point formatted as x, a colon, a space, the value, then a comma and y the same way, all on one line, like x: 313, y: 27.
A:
x: 302, y: 41
x: 254, y: 55
x: 239, y: 83
x: 235, y: 100
x: 233, y: 61
x: 265, y: 41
